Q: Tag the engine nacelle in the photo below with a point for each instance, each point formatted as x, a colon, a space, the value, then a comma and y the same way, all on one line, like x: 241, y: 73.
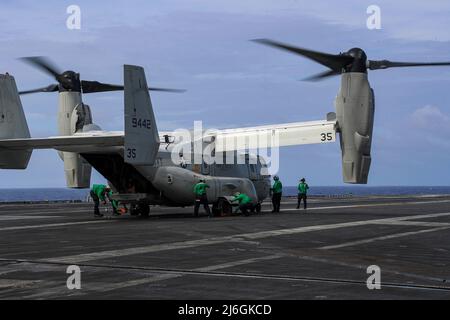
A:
x: 73, y: 116
x: 355, y: 107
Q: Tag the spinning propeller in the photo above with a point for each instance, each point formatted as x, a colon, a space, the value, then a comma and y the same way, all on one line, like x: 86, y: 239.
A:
x: 70, y: 80
x: 354, y: 60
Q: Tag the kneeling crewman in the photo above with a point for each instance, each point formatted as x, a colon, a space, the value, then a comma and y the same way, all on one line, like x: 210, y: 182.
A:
x: 245, y: 202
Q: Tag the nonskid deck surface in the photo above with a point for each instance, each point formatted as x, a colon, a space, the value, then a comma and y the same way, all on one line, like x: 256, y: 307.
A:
x: 323, y: 254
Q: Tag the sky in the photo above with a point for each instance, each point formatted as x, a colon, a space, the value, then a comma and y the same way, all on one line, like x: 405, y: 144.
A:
x: 203, y: 46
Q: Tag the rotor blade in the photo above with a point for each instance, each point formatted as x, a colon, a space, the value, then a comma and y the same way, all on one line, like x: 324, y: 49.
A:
x: 50, y: 88
x: 95, y: 86
x: 384, y: 64
x: 333, y: 61
x: 44, y: 64
x: 321, y: 76
x: 167, y: 90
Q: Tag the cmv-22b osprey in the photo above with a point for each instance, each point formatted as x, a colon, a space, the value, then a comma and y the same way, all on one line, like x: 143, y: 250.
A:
x: 146, y: 167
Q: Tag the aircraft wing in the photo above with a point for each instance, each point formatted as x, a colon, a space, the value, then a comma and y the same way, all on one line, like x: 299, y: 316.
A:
x: 276, y: 135
x: 94, y: 141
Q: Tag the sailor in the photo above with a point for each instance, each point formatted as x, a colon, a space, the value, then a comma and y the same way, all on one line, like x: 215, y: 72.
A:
x: 302, y: 191
x: 277, y: 190
x: 99, y: 192
x: 114, y: 204
x: 201, y: 198
x: 245, y: 202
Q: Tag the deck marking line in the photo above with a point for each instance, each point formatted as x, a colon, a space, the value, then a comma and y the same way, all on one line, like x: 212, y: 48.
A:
x: 391, y: 236
x: 84, y: 257
x: 52, y: 225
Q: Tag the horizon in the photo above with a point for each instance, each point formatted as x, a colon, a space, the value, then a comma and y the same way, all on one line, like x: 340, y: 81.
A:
x: 286, y: 186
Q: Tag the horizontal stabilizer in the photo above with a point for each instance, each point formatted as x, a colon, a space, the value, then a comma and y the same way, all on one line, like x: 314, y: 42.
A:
x: 91, y: 142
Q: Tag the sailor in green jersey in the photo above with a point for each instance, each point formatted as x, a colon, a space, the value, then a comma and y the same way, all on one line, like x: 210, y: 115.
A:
x: 99, y: 193
x: 201, y: 198
x: 245, y: 202
x: 114, y: 203
x: 277, y: 190
x: 302, y: 192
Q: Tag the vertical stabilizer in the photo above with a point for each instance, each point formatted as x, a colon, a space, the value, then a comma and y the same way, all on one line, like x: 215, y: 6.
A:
x: 141, y: 133
x: 13, y: 124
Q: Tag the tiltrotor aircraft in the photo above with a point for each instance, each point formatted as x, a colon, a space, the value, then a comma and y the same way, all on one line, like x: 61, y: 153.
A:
x: 147, y: 167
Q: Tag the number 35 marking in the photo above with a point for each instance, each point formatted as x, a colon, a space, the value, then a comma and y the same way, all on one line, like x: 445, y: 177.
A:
x: 131, y: 153
x: 326, y: 136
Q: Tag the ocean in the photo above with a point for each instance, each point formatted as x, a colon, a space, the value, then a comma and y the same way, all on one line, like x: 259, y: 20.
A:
x: 64, y: 194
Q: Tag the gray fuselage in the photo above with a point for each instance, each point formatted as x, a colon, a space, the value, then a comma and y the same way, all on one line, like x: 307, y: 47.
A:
x: 169, y: 183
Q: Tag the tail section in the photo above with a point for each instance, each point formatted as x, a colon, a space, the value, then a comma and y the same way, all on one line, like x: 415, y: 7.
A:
x: 141, y: 134
x: 13, y: 124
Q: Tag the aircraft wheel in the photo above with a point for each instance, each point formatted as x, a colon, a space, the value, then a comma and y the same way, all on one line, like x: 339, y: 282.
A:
x: 144, y: 210
x: 225, y: 208
x: 134, y: 210
x: 215, y: 209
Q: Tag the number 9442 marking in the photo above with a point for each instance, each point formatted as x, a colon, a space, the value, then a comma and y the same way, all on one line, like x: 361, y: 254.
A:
x: 141, y: 123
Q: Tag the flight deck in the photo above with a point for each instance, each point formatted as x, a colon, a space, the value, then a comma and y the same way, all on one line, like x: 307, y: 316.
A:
x: 322, y: 253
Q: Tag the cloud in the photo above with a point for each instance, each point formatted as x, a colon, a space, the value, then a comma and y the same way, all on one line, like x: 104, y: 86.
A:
x: 430, y: 118
x: 429, y: 128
